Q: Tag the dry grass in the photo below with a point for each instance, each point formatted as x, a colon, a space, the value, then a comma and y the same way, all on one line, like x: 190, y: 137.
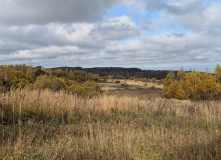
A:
x: 131, y: 84
x: 131, y: 88
x: 58, y: 125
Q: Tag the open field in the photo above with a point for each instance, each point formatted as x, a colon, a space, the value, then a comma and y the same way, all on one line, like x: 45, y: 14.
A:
x: 131, y: 88
x: 42, y: 124
x: 131, y: 84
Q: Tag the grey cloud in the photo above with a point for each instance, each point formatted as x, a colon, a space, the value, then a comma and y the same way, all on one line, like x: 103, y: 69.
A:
x: 190, y: 14
x: 45, y: 11
x: 175, y: 34
x: 93, y: 36
x: 207, y: 22
x: 7, y: 47
x: 117, y: 28
x: 195, y: 6
x: 190, y: 48
x: 148, y: 25
x: 64, y: 43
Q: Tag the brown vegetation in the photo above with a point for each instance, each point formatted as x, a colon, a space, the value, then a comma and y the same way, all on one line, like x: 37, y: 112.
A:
x: 44, y: 124
x: 22, y: 76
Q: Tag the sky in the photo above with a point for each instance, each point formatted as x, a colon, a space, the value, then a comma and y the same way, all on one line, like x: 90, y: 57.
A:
x: 147, y: 34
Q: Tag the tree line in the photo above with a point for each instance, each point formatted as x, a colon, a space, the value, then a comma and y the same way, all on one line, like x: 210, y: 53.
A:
x: 121, y: 73
x: 22, y: 76
x: 193, y: 85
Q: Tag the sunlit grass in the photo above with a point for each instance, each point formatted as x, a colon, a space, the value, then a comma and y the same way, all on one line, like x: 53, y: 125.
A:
x: 42, y: 124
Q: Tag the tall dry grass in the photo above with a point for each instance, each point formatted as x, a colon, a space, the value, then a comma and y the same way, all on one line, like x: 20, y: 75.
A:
x: 42, y: 124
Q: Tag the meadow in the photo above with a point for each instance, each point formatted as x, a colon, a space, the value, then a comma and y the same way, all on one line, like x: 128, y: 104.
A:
x: 46, y: 124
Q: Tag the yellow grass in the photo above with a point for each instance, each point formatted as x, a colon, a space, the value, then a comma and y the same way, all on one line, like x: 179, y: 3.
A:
x: 42, y: 124
x: 131, y: 84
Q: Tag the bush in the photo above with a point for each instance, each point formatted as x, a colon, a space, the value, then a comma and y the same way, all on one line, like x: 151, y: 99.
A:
x: 117, y: 81
x: 92, y: 88
x: 52, y: 83
x: 76, y: 88
x: 153, y: 80
x: 152, y: 87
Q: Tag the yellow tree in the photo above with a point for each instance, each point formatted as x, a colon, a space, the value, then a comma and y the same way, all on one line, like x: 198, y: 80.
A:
x: 188, y: 88
x: 204, y: 85
x: 207, y: 73
x: 217, y: 72
x: 1, y: 74
x: 213, y: 88
x: 202, y: 89
x: 6, y: 70
x: 190, y: 84
x: 167, y: 81
x: 170, y: 76
x: 30, y: 74
x: 180, y: 75
x: 1, y: 77
x: 175, y: 90
x: 194, y: 76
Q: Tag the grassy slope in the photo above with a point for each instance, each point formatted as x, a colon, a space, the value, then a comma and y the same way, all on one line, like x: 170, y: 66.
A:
x: 57, y: 125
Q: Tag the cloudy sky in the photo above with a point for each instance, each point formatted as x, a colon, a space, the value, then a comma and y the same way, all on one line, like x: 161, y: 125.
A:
x: 149, y: 34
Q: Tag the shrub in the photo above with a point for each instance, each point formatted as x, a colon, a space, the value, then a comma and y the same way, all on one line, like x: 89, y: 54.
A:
x: 52, y: 83
x: 153, y: 80
x: 152, y: 87
x: 92, y: 88
x: 76, y: 88
x: 117, y: 81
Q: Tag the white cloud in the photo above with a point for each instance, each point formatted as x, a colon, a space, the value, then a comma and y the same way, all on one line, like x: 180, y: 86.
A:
x: 191, y: 14
x: 73, y: 33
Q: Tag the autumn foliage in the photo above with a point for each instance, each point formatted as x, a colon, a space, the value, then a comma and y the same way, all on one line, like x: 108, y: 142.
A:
x: 75, y: 81
x: 193, y: 85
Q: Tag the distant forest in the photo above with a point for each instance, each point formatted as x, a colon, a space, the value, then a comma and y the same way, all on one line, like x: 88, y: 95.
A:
x: 119, y: 72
